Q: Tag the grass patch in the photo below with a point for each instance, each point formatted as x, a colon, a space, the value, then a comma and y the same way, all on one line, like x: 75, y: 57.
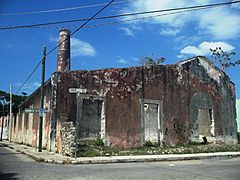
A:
x: 99, y: 142
x: 90, y: 149
x: 150, y: 144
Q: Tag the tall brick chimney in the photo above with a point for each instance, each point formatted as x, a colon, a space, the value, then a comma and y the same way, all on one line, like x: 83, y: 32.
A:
x: 63, y: 60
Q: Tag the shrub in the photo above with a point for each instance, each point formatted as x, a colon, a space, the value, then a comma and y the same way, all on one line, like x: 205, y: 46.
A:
x: 88, y: 153
x: 99, y: 142
x: 150, y: 144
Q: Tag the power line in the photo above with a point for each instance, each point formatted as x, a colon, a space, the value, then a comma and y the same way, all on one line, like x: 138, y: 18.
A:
x: 93, y: 17
x: 127, y: 20
x: 63, y: 42
x: 62, y: 9
x: 121, y: 15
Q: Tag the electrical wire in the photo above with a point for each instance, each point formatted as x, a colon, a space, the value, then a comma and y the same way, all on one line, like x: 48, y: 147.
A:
x: 93, y: 17
x: 98, y: 12
x: 122, y: 21
x: 120, y: 15
x: 62, y: 9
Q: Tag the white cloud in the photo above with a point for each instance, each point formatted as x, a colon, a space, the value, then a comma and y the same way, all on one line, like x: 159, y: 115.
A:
x: 220, y: 22
x: 28, y: 87
x: 181, y: 56
x: 135, y: 59
x: 81, y: 48
x: 148, y: 5
x: 127, y: 31
x: 182, y: 41
x: 52, y: 39
x: 169, y: 32
x: 204, y: 48
x: 122, y: 61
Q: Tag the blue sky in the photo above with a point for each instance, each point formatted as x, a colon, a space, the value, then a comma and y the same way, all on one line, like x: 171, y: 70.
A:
x: 175, y: 37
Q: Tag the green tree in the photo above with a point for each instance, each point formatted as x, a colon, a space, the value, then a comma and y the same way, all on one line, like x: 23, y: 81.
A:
x: 223, y: 59
x: 148, y: 61
x: 17, y: 100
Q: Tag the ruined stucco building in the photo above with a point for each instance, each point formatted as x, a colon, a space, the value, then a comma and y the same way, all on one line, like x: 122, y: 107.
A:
x: 167, y: 104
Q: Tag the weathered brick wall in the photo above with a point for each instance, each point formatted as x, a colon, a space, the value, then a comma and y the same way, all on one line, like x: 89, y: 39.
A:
x: 121, y: 92
x: 222, y: 92
x: 174, y: 85
x: 123, y: 89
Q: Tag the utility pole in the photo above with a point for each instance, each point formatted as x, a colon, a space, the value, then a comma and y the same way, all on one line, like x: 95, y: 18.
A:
x: 41, y: 111
x: 10, y: 116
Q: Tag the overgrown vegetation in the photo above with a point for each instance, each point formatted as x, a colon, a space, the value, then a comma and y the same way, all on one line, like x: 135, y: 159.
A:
x: 148, y: 61
x: 223, y: 59
x: 150, y: 144
x: 99, y: 142
x: 90, y: 149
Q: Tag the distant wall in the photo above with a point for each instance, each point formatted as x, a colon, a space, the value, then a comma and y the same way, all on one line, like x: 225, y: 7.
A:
x: 25, y: 125
x: 5, y: 123
x: 238, y: 113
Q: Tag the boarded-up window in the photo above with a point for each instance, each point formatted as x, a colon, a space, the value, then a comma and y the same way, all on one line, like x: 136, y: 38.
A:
x: 151, y: 122
x: 90, y: 123
x: 204, y: 120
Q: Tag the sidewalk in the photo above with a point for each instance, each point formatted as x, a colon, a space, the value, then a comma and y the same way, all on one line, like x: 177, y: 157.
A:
x: 51, y: 157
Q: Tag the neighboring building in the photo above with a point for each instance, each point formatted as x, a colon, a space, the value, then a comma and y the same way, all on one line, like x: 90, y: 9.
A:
x: 4, y: 134
x: 170, y: 104
x: 238, y: 113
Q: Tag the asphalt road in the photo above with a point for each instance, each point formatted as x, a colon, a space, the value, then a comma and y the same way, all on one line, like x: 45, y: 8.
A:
x: 14, y: 165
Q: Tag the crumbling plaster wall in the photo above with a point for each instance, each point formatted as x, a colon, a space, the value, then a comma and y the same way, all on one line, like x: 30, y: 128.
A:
x: 25, y: 125
x: 223, y: 97
x: 201, y: 117
x: 123, y: 90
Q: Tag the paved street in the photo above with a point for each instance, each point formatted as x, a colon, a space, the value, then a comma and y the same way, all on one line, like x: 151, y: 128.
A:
x: 17, y: 166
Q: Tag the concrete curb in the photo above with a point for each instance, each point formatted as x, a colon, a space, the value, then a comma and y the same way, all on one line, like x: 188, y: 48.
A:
x: 48, y: 157
x: 155, y: 158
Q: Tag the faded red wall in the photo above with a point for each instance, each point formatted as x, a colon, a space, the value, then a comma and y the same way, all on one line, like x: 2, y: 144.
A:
x: 123, y: 88
x: 21, y: 134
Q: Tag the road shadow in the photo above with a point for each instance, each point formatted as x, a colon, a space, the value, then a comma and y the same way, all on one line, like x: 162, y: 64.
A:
x: 7, y: 176
x: 3, y: 145
x: 1, y: 154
